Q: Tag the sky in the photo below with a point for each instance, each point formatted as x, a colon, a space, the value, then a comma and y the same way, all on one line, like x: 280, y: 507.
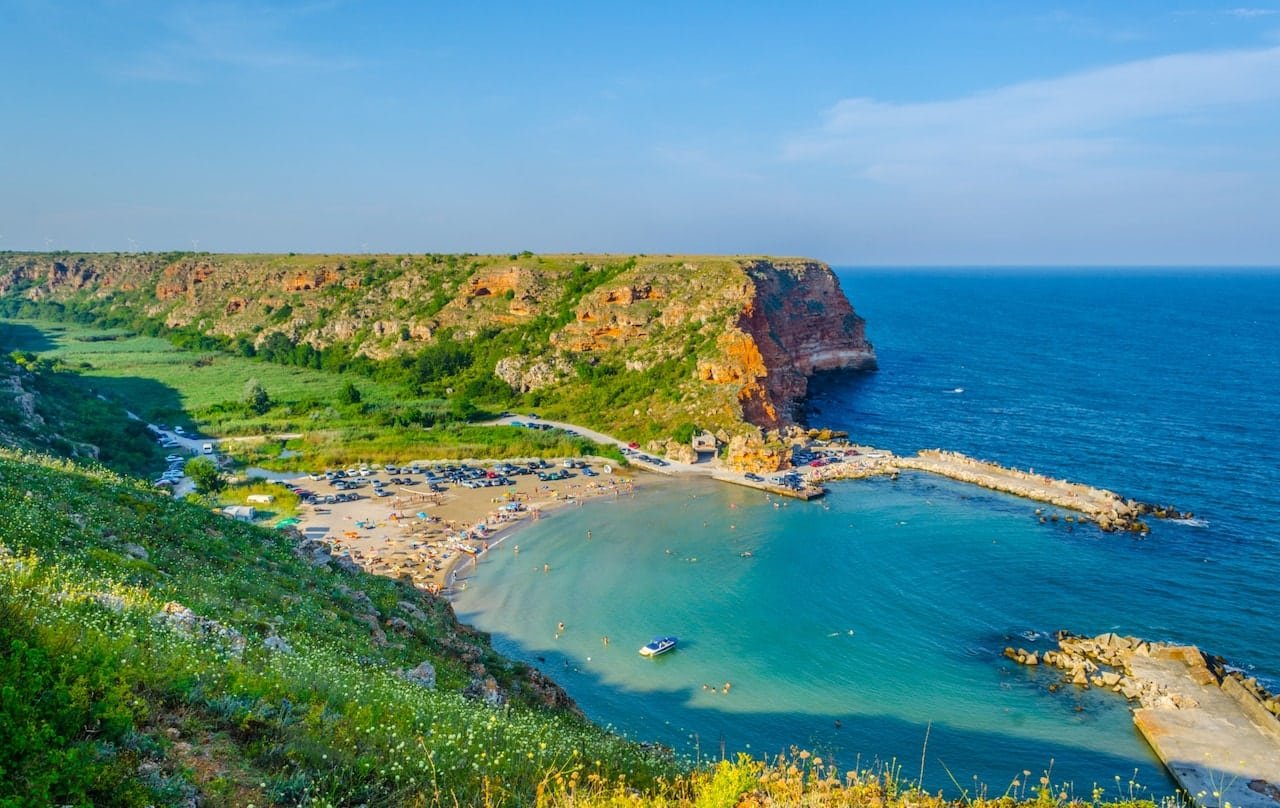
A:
x: 907, y: 133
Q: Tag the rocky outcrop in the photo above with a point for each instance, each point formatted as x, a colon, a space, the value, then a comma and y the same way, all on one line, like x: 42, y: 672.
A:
x: 752, y: 453
x: 1108, y: 661
x: 526, y: 374
x: 800, y: 323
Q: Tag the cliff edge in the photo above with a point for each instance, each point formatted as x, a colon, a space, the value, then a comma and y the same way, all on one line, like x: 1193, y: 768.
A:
x: 637, y: 343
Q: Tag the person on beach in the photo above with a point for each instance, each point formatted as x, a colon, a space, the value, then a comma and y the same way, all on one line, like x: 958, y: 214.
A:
x: 605, y: 640
x: 588, y: 534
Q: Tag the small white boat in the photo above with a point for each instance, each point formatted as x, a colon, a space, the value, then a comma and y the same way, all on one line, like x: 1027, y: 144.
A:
x: 660, y: 645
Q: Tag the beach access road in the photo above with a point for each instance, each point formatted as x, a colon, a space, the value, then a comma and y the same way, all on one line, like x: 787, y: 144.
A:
x: 672, y: 468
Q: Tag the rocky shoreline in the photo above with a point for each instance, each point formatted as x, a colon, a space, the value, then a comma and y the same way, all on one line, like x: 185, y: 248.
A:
x: 1215, y: 729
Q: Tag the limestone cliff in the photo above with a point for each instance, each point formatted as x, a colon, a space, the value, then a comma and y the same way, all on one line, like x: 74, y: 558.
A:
x: 722, y: 342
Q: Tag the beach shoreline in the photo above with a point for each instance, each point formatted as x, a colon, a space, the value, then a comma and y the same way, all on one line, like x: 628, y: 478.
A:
x: 430, y: 537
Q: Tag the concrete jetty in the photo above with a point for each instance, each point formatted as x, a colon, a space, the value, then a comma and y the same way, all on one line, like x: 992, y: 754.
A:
x: 806, y: 492
x: 1107, y: 509
x: 1217, y: 732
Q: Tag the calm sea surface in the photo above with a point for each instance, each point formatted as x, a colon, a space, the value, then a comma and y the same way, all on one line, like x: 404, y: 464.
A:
x: 865, y: 622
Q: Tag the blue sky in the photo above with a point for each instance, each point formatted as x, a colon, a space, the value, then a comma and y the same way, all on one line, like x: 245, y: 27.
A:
x: 906, y: 133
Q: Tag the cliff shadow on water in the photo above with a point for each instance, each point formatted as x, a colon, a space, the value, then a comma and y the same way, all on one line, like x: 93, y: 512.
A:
x: 955, y: 758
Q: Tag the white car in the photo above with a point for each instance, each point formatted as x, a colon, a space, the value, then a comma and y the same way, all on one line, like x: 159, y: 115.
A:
x: 179, y: 430
x: 173, y: 458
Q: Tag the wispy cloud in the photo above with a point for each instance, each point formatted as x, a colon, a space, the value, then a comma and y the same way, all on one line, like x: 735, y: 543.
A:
x: 1047, y: 126
x: 1250, y: 13
x: 194, y: 39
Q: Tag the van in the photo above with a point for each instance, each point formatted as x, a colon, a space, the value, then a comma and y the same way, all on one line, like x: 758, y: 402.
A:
x: 207, y: 448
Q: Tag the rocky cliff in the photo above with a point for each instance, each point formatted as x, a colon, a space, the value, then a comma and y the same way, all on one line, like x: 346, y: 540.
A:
x: 717, y: 341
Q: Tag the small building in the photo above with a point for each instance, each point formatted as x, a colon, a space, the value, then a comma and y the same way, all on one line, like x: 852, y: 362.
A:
x: 243, y: 513
x: 704, y: 442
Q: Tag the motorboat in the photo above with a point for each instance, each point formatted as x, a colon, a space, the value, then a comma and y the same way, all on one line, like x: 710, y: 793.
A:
x: 660, y: 645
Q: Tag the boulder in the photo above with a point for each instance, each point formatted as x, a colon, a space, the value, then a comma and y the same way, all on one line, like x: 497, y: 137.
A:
x: 379, y: 636
x: 424, y: 675
x: 106, y: 600
x: 277, y: 644
x: 181, y: 619
x: 487, y: 691
x: 136, y: 551
x: 413, y: 611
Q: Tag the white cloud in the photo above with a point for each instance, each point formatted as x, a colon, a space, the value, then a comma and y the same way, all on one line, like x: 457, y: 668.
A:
x: 1051, y: 125
x: 197, y: 38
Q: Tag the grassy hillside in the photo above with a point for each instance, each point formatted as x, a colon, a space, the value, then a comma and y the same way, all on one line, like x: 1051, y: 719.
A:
x: 110, y: 696
x: 46, y: 405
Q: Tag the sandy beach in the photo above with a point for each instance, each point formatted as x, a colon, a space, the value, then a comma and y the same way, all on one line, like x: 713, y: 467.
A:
x: 433, y: 537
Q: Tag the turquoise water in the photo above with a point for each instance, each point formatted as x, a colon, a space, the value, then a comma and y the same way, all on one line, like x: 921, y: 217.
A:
x: 868, y: 620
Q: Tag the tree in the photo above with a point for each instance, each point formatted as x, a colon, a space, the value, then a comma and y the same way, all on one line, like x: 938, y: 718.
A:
x: 349, y: 394
x: 255, y: 396
x: 205, y: 475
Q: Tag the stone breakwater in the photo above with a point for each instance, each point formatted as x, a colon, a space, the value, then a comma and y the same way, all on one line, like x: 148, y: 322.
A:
x: 1216, y: 730
x: 1110, y: 511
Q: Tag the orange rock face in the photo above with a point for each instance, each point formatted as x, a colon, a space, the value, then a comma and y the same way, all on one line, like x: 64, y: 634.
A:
x: 795, y: 322
x: 305, y: 281
x: 497, y: 283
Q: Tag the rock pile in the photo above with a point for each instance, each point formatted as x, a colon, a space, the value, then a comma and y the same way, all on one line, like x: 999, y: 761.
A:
x: 184, y: 621
x: 1104, y: 662
x: 1095, y: 661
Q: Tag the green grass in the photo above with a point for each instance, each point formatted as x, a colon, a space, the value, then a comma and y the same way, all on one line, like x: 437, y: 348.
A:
x: 135, y: 369
x: 164, y: 384
x: 340, y: 448
x: 102, y: 702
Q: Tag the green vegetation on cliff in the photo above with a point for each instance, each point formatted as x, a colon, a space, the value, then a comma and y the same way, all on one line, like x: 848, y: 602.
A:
x: 634, y: 346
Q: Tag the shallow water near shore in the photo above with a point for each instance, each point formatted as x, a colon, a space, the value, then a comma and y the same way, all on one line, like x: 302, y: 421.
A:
x: 864, y: 622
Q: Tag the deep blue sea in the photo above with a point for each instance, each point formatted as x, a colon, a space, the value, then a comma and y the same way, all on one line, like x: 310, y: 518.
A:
x: 868, y: 627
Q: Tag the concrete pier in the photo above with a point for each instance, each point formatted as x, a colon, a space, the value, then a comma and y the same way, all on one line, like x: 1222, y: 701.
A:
x: 1216, y: 732
x: 1107, y: 509
x: 1218, y: 749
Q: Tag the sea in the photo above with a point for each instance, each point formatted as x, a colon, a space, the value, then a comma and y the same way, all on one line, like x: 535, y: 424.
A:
x: 868, y: 627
